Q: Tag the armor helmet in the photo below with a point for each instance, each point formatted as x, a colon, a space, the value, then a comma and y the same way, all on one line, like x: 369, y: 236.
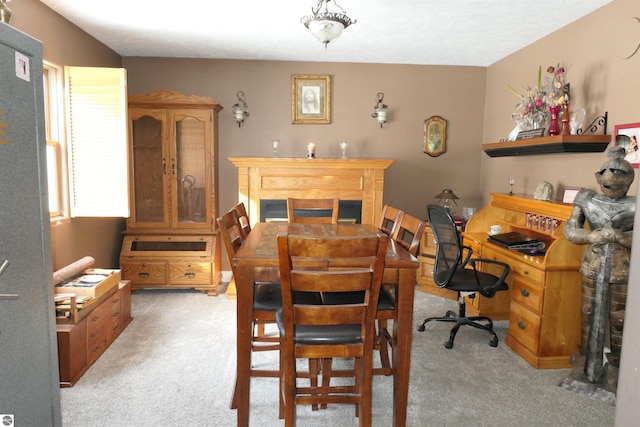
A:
x: 616, y: 175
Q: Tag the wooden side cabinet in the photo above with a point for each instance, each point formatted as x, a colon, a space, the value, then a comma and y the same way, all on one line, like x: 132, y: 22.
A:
x: 173, y: 195
x: 84, y: 337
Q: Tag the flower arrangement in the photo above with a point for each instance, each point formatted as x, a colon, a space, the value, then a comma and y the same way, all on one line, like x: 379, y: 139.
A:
x: 533, y: 109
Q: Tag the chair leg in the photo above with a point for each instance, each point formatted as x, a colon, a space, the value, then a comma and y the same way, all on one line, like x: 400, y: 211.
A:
x: 381, y: 343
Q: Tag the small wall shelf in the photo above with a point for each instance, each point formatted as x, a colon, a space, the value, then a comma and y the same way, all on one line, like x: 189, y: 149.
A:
x: 548, y: 145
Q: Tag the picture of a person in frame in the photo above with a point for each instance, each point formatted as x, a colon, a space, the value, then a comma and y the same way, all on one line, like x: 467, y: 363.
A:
x: 311, y: 100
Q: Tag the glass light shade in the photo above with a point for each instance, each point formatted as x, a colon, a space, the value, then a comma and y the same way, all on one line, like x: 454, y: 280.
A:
x: 325, y: 30
x: 447, y: 199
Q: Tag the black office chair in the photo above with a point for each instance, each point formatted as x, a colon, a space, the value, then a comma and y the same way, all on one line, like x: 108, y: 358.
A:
x: 459, y: 274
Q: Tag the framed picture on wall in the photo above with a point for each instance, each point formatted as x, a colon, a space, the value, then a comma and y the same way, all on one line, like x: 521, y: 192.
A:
x: 627, y: 136
x: 310, y: 99
x: 435, y: 136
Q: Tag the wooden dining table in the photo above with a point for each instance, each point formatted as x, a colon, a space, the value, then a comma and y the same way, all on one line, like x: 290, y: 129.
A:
x: 260, y: 250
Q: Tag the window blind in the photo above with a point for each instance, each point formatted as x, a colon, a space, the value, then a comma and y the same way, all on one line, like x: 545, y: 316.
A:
x: 96, y: 107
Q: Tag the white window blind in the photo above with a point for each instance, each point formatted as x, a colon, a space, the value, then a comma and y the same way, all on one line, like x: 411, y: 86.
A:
x: 96, y: 106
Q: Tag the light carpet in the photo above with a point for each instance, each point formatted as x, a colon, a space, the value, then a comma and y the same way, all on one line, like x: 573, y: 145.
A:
x: 175, y: 365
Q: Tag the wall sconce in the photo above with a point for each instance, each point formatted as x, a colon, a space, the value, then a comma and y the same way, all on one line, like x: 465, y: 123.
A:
x: 447, y: 200
x: 380, y: 113
x: 240, y: 111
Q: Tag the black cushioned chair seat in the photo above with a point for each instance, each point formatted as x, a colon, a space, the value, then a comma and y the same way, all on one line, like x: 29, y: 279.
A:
x: 486, y: 282
x: 385, y: 300
x: 319, y: 335
x: 267, y: 296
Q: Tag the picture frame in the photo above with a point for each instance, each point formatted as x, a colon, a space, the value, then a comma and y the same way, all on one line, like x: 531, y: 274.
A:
x: 435, y: 136
x: 310, y: 99
x: 627, y: 135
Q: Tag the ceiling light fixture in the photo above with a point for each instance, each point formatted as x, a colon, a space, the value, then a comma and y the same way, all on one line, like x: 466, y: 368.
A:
x: 240, y: 111
x: 324, y: 25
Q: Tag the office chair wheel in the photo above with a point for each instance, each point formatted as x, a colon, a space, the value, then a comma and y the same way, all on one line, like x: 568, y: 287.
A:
x: 493, y: 342
x: 421, y: 328
x: 448, y: 344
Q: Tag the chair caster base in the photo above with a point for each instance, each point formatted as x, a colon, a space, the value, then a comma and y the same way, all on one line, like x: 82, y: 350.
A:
x: 421, y: 328
x: 493, y: 343
x: 448, y: 345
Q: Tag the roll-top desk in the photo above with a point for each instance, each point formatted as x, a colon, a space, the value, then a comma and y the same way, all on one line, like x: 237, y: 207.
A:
x: 545, y: 290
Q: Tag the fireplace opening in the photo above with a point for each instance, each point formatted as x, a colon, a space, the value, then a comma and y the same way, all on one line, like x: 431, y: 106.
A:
x: 275, y: 210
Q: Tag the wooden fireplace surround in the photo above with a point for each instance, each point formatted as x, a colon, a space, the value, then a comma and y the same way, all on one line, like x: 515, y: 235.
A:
x: 279, y: 178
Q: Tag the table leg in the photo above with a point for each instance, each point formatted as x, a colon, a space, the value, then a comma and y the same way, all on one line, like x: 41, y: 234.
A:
x: 402, y: 331
x: 244, y: 308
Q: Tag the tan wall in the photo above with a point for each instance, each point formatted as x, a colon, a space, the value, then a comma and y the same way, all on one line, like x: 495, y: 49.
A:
x: 413, y: 94
x: 593, y: 49
x: 65, y: 44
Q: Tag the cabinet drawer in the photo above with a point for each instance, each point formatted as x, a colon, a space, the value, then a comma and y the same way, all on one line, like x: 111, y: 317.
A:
x: 196, y: 273
x: 524, y: 327
x: 426, y: 267
x: 101, y: 326
x: 527, y: 294
x: 144, y: 272
x: 517, y: 268
x: 428, y: 243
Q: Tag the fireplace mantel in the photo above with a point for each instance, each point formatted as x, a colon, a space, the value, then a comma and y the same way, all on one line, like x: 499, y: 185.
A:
x: 279, y: 178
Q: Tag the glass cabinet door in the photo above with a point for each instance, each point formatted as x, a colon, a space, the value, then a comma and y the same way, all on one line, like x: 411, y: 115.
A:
x: 149, y: 165
x: 192, y: 177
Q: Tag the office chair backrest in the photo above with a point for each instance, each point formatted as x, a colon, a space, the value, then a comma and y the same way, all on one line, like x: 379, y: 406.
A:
x: 449, y: 248
x: 313, y: 211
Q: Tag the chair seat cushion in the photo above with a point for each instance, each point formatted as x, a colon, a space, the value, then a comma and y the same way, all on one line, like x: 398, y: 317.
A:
x: 267, y: 296
x: 385, y: 300
x: 322, y: 335
x: 465, y: 280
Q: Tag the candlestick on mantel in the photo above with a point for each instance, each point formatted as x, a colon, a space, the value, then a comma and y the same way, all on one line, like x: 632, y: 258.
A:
x: 311, y: 150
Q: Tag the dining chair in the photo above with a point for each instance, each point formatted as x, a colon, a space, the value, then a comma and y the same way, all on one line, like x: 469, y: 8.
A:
x: 389, y: 219
x: 336, y: 264
x: 267, y: 299
x: 407, y: 233
x: 243, y: 218
x: 313, y: 210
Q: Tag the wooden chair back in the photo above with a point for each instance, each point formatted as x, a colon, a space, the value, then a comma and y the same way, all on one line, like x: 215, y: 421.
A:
x: 390, y: 218
x: 333, y: 264
x: 408, y: 233
x: 243, y: 219
x: 313, y: 211
x: 231, y: 232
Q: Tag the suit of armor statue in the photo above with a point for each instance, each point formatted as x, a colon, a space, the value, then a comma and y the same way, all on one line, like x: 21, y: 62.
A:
x: 605, y: 263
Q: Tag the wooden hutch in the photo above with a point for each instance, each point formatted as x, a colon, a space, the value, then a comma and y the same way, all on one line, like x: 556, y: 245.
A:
x: 170, y: 240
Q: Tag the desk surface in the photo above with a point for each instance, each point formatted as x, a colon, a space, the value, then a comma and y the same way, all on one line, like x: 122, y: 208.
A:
x: 260, y: 250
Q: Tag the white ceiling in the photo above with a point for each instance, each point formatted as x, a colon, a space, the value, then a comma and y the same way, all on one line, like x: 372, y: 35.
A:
x: 435, y: 32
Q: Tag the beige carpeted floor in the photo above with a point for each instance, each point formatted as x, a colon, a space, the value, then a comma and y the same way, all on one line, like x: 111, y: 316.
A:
x: 175, y: 366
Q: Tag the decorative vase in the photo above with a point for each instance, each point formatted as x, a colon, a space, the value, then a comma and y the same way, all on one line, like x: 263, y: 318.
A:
x: 554, y: 126
x: 5, y: 12
x: 566, y: 128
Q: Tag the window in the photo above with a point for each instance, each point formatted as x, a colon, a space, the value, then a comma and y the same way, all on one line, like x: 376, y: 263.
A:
x: 96, y: 112
x: 56, y: 164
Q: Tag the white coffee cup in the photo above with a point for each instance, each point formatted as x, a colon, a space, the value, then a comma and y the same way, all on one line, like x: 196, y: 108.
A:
x: 495, y: 229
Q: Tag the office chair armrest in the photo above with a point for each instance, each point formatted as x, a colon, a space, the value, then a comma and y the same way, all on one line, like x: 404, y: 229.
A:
x: 505, y: 267
x: 468, y: 255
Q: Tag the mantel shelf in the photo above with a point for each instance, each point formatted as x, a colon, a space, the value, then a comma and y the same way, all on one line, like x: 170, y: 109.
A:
x: 548, y: 145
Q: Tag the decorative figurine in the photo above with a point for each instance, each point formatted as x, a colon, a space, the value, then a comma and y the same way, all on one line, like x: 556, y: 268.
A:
x: 605, y: 266
x: 544, y: 191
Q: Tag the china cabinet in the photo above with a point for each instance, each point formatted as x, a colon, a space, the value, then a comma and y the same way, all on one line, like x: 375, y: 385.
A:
x: 170, y: 239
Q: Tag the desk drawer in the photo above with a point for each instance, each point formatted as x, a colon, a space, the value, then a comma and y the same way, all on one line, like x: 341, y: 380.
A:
x: 526, y: 293
x: 524, y: 327
x: 426, y: 267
